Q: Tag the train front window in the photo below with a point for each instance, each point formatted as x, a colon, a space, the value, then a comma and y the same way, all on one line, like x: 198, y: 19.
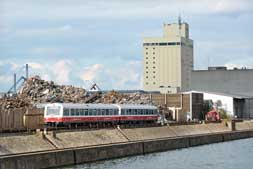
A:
x: 53, y: 110
x: 65, y: 112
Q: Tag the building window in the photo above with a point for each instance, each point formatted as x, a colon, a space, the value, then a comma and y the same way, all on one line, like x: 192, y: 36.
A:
x: 146, y: 77
x: 146, y: 71
x: 153, y: 53
x: 162, y: 44
x: 146, y: 67
x: 146, y: 62
x: 153, y: 67
x: 153, y: 57
x: 153, y: 76
x: 146, y: 48
x: 153, y: 71
x: 146, y: 83
x: 146, y: 57
x: 154, y: 62
x: 146, y: 53
x: 154, y: 48
x: 153, y: 82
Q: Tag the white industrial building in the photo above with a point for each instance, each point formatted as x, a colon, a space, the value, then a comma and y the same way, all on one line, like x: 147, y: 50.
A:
x: 239, y: 106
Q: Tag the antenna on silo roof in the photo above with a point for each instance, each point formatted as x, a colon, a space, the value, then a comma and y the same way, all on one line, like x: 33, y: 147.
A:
x: 179, y: 23
x: 179, y: 20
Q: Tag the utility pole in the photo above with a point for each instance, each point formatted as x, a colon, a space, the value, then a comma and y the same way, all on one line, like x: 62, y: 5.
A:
x: 15, y: 83
x: 26, y: 71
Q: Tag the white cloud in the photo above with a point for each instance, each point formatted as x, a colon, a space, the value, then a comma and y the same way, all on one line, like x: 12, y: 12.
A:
x: 35, y: 65
x: 79, y: 9
x: 90, y: 72
x: 115, y: 77
x: 48, y: 31
x: 61, y: 71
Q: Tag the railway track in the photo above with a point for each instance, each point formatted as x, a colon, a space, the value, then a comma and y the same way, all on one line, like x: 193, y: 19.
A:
x: 98, y: 127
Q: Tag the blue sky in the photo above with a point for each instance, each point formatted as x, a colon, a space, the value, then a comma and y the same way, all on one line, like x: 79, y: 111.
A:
x: 76, y: 41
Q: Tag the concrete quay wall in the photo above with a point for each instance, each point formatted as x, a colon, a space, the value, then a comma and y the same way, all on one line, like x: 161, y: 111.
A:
x: 72, y: 156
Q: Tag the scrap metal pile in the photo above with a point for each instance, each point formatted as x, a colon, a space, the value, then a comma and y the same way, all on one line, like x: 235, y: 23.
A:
x: 35, y: 90
x: 41, y: 91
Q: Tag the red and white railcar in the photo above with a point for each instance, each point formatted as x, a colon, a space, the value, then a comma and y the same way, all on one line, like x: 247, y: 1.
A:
x: 89, y: 113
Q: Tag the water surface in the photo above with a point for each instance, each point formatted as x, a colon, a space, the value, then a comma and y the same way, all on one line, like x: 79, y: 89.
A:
x: 229, y: 155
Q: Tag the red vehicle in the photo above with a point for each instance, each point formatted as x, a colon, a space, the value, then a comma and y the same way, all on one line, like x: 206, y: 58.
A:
x: 213, y: 115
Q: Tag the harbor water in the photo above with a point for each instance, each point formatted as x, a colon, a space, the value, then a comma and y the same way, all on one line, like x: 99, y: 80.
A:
x: 227, y: 155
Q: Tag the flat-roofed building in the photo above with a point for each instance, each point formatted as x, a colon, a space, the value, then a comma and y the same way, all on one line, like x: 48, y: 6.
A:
x: 230, y: 81
x: 168, y: 60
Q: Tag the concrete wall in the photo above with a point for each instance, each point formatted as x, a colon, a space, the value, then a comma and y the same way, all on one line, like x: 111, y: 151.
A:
x: 176, y: 137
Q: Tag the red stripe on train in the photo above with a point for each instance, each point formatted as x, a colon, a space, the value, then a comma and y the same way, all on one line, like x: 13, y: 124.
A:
x: 93, y: 119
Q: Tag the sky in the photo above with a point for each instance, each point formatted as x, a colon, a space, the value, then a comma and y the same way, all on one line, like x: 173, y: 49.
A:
x: 76, y: 42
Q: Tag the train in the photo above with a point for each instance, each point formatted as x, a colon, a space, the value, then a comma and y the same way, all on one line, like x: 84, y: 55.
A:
x: 72, y: 113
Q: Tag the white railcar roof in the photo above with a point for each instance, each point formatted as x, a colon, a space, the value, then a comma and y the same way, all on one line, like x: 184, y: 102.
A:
x: 102, y: 106
x: 136, y: 106
x: 83, y: 106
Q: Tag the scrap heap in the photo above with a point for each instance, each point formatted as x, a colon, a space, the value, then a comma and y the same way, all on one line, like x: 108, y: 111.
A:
x: 35, y: 90
x: 40, y: 91
x: 132, y: 98
x: 16, y: 102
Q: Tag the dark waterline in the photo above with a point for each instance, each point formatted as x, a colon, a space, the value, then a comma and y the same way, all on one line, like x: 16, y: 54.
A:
x: 229, y: 155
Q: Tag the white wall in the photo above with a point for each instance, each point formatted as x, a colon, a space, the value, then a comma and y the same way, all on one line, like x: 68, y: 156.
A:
x: 227, y: 101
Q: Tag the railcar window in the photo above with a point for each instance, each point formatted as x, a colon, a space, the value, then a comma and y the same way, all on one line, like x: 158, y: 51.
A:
x: 99, y: 112
x: 142, y: 111
x: 78, y: 111
x: 135, y: 111
x: 94, y: 112
x: 132, y: 112
x: 90, y: 112
x: 82, y: 112
x: 111, y: 111
x: 122, y: 112
x: 86, y: 112
x: 150, y: 112
x: 147, y: 111
x: 107, y: 112
x: 116, y: 112
x: 73, y: 112
x: 65, y: 112
x: 138, y: 111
